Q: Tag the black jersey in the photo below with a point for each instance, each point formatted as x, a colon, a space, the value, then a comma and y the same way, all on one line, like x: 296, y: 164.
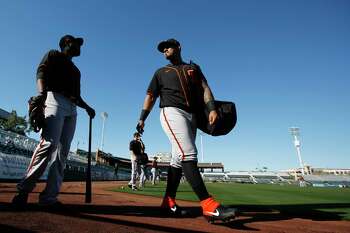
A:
x: 137, y: 147
x: 177, y: 86
x: 60, y: 74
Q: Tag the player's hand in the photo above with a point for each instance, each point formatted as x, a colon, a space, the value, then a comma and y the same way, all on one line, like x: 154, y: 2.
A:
x: 91, y: 112
x: 213, y: 117
x: 139, y: 127
x: 36, y: 112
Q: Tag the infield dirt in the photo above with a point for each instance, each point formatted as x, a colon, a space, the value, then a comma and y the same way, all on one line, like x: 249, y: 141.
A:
x: 123, y: 212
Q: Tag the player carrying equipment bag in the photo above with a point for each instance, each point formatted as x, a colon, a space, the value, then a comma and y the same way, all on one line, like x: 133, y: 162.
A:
x: 227, y: 115
x: 143, y: 159
x: 227, y: 118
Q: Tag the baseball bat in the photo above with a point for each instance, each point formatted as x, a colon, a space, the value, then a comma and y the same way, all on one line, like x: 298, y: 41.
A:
x: 88, y: 170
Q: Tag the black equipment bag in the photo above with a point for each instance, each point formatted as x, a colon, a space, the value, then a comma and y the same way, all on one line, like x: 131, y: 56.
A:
x: 143, y: 158
x: 227, y: 119
x: 227, y: 115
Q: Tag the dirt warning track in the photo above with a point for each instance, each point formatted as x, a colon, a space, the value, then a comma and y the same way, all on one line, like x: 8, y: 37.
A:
x: 122, y: 212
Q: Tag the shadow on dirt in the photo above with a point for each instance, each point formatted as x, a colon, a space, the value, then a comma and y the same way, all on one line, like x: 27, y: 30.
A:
x: 248, y: 214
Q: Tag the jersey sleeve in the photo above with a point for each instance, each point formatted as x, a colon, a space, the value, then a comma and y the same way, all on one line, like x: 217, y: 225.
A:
x: 154, y: 87
x: 131, y: 146
x: 200, y: 74
x: 45, y: 65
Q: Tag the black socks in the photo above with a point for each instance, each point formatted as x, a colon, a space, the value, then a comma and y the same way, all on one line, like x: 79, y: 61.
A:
x: 173, y: 180
x: 194, y: 178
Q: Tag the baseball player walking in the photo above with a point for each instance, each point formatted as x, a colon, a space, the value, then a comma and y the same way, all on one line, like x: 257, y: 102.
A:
x: 137, y: 148
x: 176, y: 85
x: 58, y: 83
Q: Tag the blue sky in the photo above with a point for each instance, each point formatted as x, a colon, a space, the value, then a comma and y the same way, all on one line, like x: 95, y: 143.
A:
x: 284, y: 63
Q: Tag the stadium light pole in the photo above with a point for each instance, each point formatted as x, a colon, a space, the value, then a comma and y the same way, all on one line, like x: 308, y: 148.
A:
x: 295, y: 131
x: 104, y: 116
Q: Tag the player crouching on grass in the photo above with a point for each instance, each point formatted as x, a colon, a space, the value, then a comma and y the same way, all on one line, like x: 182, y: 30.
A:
x: 176, y: 84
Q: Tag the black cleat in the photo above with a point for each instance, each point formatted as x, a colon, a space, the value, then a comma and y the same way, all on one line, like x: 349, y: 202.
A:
x: 54, y: 207
x: 174, y: 211
x: 221, y: 213
x: 20, y: 200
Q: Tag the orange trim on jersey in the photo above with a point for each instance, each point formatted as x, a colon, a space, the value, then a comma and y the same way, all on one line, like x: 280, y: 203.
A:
x: 183, y: 70
x: 186, y: 79
x: 182, y: 86
x: 166, y: 120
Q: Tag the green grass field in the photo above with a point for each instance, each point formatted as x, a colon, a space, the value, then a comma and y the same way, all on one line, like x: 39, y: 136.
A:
x: 323, y: 203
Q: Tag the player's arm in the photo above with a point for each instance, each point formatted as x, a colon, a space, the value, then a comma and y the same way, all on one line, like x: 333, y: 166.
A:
x: 132, y: 149
x: 151, y: 97
x: 81, y: 103
x: 209, y: 102
x: 36, y: 104
x: 208, y: 96
x: 148, y: 104
x: 43, y: 73
x: 42, y: 91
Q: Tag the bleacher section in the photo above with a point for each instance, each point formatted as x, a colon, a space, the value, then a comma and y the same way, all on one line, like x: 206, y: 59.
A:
x: 239, y: 177
x: 286, y: 177
x: 11, y: 139
x: 213, y: 176
x: 266, y: 178
x: 16, y: 152
x: 249, y: 177
x: 328, y: 180
x: 12, y: 150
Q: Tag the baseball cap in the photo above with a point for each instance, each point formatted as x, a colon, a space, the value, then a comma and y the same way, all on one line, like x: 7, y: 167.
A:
x: 67, y: 38
x: 167, y: 43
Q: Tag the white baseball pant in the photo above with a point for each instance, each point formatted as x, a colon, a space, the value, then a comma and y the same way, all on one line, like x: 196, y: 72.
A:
x: 180, y: 127
x: 53, y: 149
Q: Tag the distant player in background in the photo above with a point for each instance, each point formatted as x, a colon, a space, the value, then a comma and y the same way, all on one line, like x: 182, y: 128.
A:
x: 154, y: 170
x: 136, y: 148
x: 53, y: 112
x: 176, y: 85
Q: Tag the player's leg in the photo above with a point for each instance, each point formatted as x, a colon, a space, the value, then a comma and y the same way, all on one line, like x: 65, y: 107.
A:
x: 171, y: 123
x: 153, y: 176
x: 142, y: 176
x: 48, y: 145
x: 183, y: 129
x: 58, y: 162
x: 132, y: 183
x: 189, y: 160
x: 212, y: 209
